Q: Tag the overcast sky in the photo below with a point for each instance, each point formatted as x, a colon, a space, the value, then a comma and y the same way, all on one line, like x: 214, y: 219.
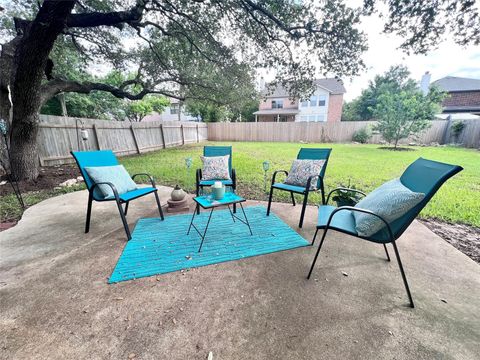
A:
x: 448, y: 60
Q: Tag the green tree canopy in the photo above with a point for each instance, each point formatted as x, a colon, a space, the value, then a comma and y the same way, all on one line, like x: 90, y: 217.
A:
x: 137, y: 110
x: 405, y: 112
x: 394, y: 80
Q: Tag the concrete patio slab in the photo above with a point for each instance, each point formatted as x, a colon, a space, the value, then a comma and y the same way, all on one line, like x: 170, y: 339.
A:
x: 56, y: 304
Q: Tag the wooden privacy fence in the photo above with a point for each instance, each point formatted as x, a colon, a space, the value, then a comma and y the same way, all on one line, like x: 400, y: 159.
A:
x: 439, y: 132
x: 58, y: 136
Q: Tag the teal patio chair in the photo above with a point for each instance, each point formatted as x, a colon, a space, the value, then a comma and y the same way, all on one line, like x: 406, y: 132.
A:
x: 217, y: 151
x: 424, y: 176
x: 107, y: 158
x: 303, y: 154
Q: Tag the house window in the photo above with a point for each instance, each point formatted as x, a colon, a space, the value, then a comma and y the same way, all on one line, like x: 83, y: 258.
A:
x: 313, y: 100
x: 321, y: 118
x: 277, y: 104
x: 173, y: 109
x: 303, y: 118
x: 304, y: 103
x: 311, y: 118
x: 322, y: 99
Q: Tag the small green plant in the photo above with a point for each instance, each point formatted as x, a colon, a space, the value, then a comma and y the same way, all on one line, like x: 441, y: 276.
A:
x: 363, y: 135
x: 347, y: 197
x: 457, y: 128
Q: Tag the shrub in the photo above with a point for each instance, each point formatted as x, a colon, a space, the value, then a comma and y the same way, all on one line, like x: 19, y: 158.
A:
x: 457, y: 128
x: 363, y: 135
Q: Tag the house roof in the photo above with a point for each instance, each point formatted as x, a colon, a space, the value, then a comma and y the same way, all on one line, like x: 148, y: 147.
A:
x: 453, y: 84
x: 277, y: 112
x: 461, y: 108
x: 332, y: 85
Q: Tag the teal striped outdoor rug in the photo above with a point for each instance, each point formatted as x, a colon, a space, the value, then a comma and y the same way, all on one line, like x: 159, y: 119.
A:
x: 159, y: 247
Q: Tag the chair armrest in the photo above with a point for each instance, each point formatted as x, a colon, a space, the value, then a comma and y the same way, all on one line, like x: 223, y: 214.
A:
x: 114, y: 189
x: 309, y: 181
x: 345, y: 189
x: 152, y: 181
x: 365, y: 211
x: 275, y: 174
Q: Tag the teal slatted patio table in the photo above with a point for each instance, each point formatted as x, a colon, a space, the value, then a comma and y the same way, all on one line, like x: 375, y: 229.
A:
x: 207, y: 202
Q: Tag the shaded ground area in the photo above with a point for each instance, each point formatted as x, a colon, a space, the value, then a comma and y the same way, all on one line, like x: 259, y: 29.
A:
x: 48, y: 178
x: 465, y: 238
x: 56, y: 303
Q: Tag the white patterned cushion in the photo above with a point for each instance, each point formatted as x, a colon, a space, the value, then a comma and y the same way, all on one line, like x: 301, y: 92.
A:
x: 215, y: 168
x: 301, y: 170
x: 391, y: 201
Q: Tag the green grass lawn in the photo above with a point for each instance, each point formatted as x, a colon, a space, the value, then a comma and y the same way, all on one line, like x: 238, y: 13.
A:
x: 365, y: 166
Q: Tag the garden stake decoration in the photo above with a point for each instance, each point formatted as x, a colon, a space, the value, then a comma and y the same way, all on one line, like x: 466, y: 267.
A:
x: 266, y: 166
x: 10, y: 178
x: 188, y: 163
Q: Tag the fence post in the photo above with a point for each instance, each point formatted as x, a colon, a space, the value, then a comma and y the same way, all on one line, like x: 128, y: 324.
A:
x: 183, y: 134
x: 163, y: 136
x: 96, y: 136
x: 135, y: 140
x: 198, y: 137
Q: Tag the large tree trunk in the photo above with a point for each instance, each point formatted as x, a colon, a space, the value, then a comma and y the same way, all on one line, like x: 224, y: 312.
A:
x: 23, y: 155
x: 31, y: 58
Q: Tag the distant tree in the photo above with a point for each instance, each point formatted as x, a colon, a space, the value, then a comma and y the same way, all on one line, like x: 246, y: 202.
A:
x: 393, y: 80
x: 207, y: 111
x: 405, y: 113
x: 137, y: 110
x: 350, y: 110
x: 233, y: 100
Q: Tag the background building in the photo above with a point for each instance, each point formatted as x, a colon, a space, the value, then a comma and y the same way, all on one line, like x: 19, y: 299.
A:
x: 174, y: 112
x: 463, y: 94
x: 324, y: 105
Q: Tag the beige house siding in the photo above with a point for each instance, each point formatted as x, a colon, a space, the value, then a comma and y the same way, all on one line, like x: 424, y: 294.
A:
x: 266, y: 104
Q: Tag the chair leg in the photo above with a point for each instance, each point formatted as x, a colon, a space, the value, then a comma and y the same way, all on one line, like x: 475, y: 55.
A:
x: 304, y: 206
x: 386, y: 252
x: 270, y: 201
x: 314, y: 237
x: 403, y: 274
x: 293, y: 198
x: 124, y: 220
x: 234, y: 208
x: 199, y: 188
x: 159, y: 206
x: 318, y: 252
x: 89, y: 212
x: 126, y: 208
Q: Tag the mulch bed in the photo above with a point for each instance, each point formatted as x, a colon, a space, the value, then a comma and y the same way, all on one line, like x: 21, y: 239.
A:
x: 48, y: 178
x: 463, y: 237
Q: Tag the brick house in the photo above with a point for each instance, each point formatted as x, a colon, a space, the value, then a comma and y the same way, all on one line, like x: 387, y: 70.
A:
x: 324, y: 105
x: 463, y: 94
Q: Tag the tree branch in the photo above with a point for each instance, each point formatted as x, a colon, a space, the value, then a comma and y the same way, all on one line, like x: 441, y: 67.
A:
x: 94, y: 19
x: 56, y: 86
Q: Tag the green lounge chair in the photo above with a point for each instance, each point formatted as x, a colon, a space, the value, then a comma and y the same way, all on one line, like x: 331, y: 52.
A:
x: 303, y: 154
x: 107, y: 158
x: 425, y: 176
